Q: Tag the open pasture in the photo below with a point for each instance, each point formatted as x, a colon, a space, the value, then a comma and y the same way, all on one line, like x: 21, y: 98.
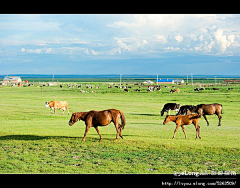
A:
x: 34, y: 141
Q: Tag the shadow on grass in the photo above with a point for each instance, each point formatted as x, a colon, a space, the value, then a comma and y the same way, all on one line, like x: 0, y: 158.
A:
x: 144, y: 114
x: 32, y: 137
x: 36, y: 137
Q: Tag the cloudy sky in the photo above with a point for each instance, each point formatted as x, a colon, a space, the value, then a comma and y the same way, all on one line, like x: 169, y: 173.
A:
x: 120, y: 44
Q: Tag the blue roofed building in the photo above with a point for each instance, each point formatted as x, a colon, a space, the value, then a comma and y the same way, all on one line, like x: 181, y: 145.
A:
x: 165, y: 81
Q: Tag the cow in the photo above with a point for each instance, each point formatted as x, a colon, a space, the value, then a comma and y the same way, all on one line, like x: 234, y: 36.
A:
x: 187, y: 109
x: 170, y: 106
x: 175, y: 90
x: 61, y: 105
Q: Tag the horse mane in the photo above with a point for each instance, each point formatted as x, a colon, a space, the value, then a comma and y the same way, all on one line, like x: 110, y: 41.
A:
x: 172, y: 118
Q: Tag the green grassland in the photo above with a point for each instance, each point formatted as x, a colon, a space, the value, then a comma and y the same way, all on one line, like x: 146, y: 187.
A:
x: 34, y: 141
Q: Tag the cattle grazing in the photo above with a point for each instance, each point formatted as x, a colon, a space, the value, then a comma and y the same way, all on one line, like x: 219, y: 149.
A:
x: 187, y: 109
x: 100, y: 118
x: 170, y: 106
x: 230, y: 88
x: 175, y: 90
x: 125, y: 90
x: 215, y: 88
x: 138, y: 90
x: 196, y: 89
x: 184, y: 120
x: 150, y: 88
x: 61, y: 105
x: 210, y: 109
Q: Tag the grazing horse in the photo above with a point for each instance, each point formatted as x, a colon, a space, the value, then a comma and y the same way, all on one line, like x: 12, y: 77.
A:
x: 210, y: 109
x: 186, y: 110
x: 184, y: 120
x: 99, y: 118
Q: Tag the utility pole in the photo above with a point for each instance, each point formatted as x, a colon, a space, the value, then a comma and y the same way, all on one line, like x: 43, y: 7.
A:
x: 215, y: 80
x: 187, y: 78
x: 157, y: 79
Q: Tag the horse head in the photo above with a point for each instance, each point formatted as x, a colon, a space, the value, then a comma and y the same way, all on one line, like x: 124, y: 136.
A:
x: 167, y: 119
x: 74, y: 118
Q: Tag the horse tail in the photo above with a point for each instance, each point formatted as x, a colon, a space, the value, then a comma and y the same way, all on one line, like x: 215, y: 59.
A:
x: 221, y: 110
x: 122, y: 119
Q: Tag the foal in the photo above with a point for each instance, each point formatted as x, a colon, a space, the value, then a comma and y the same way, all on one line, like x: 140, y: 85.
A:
x: 184, y: 120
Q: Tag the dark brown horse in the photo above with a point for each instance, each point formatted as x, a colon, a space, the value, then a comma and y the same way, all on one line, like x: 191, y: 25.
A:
x: 184, y: 120
x: 210, y: 109
x: 99, y: 118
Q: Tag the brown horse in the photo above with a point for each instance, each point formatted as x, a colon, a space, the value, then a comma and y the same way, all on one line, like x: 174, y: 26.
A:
x: 184, y: 120
x: 210, y: 109
x: 99, y: 118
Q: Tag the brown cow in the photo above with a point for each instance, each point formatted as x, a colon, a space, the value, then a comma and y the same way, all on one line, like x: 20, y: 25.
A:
x: 175, y: 90
x: 63, y: 105
x: 184, y: 120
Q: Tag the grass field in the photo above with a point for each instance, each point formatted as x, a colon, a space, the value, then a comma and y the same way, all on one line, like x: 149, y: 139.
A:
x: 34, y: 141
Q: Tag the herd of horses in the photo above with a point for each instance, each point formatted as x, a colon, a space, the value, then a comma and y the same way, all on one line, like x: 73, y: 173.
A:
x: 185, y: 115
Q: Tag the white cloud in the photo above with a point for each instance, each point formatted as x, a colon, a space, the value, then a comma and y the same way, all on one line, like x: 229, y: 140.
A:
x: 179, y: 38
x: 145, y: 42
x: 37, y: 51
x: 223, y: 41
x: 93, y: 52
x: 172, y: 48
x: 161, y: 38
x: 23, y: 50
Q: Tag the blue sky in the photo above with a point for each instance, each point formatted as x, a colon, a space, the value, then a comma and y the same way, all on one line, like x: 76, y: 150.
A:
x: 120, y: 44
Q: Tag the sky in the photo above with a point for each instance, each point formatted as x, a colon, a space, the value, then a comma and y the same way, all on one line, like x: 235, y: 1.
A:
x: 97, y: 44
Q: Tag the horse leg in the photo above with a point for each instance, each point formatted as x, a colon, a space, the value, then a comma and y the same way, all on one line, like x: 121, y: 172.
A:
x: 117, y: 126
x: 120, y: 132
x: 86, y: 131
x: 219, y: 117
x: 199, y: 132
x: 175, y: 131
x: 206, y: 120
x: 184, y: 131
x: 98, y: 133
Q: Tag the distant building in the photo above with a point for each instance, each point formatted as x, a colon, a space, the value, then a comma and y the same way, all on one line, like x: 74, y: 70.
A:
x: 164, y: 81
x: 231, y: 81
x: 148, y: 82
x: 53, y: 83
x: 12, y: 79
x: 178, y: 81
